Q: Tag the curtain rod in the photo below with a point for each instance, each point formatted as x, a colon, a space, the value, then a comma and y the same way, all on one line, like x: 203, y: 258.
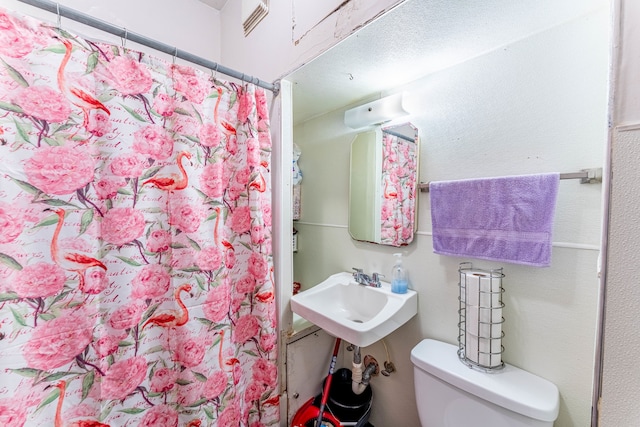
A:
x: 89, y: 20
x: 586, y: 176
x: 399, y: 135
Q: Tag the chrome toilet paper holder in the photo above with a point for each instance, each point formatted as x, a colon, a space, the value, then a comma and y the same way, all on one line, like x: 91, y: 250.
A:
x: 480, y: 318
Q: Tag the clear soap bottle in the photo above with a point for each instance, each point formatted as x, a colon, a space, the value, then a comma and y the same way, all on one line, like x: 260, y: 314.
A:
x: 399, y: 280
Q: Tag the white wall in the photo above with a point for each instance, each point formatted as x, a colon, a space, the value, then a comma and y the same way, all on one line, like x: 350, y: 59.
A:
x: 536, y: 105
x: 621, y: 380
x: 188, y: 25
x: 627, y: 91
x: 620, y: 388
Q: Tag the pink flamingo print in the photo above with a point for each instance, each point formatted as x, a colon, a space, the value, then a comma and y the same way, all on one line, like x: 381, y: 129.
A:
x: 259, y: 183
x: 275, y: 401
x: 216, y: 235
x: 267, y: 296
x: 77, y: 96
x: 62, y: 386
x: 221, y: 362
x: 173, y: 181
x: 226, y: 127
x: 228, y: 246
x: 71, y: 261
x: 389, y: 194
x: 172, y: 318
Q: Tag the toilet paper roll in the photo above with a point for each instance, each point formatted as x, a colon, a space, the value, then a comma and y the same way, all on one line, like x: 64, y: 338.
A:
x: 480, y: 292
x: 491, y: 356
x: 471, y: 350
x: 483, y: 288
x: 472, y: 320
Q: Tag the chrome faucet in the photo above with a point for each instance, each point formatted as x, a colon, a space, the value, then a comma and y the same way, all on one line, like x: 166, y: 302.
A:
x: 360, y: 277
x: 364, y: 279
x: 375, y: 279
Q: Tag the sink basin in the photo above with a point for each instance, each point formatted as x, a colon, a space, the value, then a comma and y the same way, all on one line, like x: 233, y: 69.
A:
x: 356, y: 313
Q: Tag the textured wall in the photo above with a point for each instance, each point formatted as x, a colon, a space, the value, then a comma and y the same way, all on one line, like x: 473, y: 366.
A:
x: 620, y: 390
x: 621, y: 377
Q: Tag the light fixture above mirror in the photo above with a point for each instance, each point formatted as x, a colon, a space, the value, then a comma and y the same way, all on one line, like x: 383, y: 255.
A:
x: 375, y: 112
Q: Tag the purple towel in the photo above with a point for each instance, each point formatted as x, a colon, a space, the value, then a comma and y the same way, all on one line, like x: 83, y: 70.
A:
x: 506, y: 219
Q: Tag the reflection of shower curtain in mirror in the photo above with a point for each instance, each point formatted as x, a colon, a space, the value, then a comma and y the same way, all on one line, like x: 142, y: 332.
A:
x: 399, y: 168
x: 136, y: 273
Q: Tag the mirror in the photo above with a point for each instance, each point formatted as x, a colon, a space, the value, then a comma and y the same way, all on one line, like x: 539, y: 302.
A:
x: 383, y: 185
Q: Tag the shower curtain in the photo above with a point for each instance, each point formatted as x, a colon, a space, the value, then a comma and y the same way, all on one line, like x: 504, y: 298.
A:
x: 136, y: 273
x: 399, y: 171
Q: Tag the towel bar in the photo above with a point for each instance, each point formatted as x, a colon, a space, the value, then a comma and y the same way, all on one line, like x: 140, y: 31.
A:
x: 586, y: 176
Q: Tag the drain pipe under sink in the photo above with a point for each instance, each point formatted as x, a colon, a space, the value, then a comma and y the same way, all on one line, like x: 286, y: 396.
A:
x: 360, y: 378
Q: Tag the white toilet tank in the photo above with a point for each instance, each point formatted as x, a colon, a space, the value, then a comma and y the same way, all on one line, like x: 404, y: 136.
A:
x: 450, y: 394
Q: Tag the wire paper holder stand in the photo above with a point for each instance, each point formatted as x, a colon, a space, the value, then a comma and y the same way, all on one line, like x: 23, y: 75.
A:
x: 484, y: 353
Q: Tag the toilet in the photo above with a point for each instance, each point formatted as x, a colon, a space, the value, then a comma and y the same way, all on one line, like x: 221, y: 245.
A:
x: 450, y: 394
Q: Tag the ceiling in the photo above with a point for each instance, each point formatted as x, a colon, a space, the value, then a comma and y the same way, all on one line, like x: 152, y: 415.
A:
x: 216, y: 4
x: 415, y: 39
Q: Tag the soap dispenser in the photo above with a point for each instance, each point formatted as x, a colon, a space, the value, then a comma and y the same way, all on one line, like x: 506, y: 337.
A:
x: 399, y: 281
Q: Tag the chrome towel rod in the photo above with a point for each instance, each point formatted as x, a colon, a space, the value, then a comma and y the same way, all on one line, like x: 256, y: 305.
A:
x: 586, y: 176
x: 89, y: 20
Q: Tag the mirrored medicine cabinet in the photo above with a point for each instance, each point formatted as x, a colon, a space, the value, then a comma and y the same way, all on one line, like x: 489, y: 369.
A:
x: 383, y: 181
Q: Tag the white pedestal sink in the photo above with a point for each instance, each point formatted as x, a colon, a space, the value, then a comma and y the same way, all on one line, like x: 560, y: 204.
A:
x: 356, y: 313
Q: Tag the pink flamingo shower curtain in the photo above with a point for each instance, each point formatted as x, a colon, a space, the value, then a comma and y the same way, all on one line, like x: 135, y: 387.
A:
x: 399, y: 166
x: 136, y: 273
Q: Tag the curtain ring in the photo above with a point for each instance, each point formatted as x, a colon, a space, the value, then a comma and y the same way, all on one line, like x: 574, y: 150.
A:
x: 175, y: 55
x: 124, y: 39
x: 59, y: 16
x: 215, y: 76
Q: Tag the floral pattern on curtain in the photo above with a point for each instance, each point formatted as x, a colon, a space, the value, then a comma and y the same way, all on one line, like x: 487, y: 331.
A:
x: 136, y: 272
x: 399, y: 166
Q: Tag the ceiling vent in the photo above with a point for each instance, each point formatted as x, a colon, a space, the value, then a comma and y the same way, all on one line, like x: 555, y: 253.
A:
x: 252, y: 13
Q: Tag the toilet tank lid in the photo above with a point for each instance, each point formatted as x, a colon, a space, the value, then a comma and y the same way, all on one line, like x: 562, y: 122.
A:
x: 510, y: 387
